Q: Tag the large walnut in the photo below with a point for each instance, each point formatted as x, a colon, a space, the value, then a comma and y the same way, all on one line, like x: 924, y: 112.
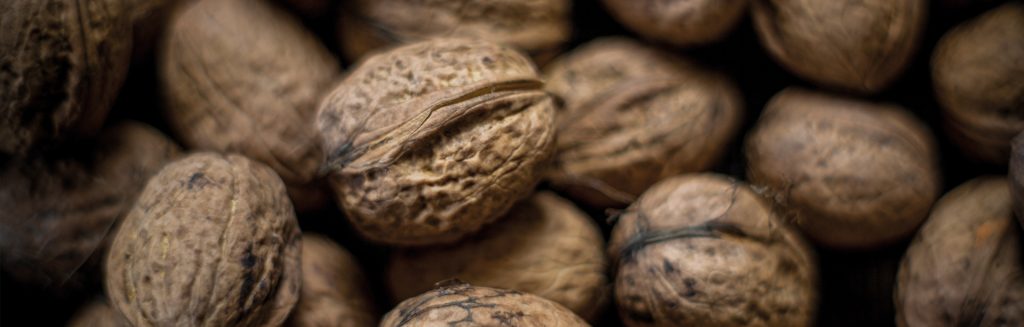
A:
x: 212, y: 241
x: 98, y: 313
x: 429, y: 142
x: 634, y: 115
x: 1017, y: 177
x: 334, y: 291
x: 705, y: 250
x: 454, y: 303
x: 680, y: 22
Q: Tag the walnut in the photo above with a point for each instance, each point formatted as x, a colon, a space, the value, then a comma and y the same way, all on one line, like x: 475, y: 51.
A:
x: 634, y: 115
x: 680, y: 22
x: 1017, y: 177
x: 852, y: 174
x: 334, y: 289
x: 429, y: 142
x: 98, y: 314
x: 695, y: 240
x: 455, y: 302
x: 212, y: 241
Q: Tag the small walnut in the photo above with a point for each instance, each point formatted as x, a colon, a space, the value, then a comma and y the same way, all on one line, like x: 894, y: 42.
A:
x: 544, y: 246
x: 1017, y: 176
x: 964, y: 268
x: 212, y: 241
x: 679, y: 22
x: 98, y: 314
x: 977, y: 69
x: 334, y: 289
x: 854, y: 45
x: 455, y: 302
x: 634, y: 115
x: 852, y: 174
x: 696, y: 240
x: 429, y: 142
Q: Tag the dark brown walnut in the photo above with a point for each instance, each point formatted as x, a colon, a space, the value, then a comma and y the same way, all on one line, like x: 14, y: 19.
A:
x: 458, y: 303
x: 243, y: 76
x: 429, y: 142
x: 964, y: 268
x: 679, y: 22
x: 212, y: 241
x: 59, y: 211
x: 538, y: 27
x: 851, y: 174
x: 62, y: 66
x: 705, y: 250
x: 634, y: 115
x: 334, y: 289
x: 853, y: 45
x: 98, y: 313
x: 1017, y: 176
x: 545, y: 246
x: 977, y: 69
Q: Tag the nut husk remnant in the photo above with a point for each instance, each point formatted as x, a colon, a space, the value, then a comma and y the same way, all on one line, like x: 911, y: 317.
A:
x: 334, y: 289
x: 964, y: 268
x: 851, y: 174
x: 705, y: 250
x: 634, y: 115
x: 853, y: 45
x: 544, y: 246
x: 212, y: 241
x: 429, y: 142
x: 679, y: 22
x: 1017, y: 177
x: 455, y: 302
x: 98, y: 313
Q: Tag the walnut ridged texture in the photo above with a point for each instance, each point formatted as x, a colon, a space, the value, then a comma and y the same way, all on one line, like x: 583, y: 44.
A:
x: 679, y: 22
x: 456, y: 303
x: 334, y: 288
x: 98, y: 313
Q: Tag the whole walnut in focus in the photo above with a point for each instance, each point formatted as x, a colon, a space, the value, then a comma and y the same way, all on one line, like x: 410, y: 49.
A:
x: 964, y: 268
x: 544, y: 246
x: 705, y: 250
x: 211, y: 241
x: 98, y: 314
x: 679, y: 22
x: 334, y: 291
x: 634, y: 115
x: 455, y: 302
x: 1017, y: 177
x: 852, y: 174
x: 853, y: 45
x: 429, y: 142
x: 977, y: 69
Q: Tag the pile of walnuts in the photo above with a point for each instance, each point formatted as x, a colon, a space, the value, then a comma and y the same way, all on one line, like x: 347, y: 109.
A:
x: 510, y: 162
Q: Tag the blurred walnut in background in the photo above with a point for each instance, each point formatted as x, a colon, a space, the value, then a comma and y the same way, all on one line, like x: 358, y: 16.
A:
x: 334, y: 288
x: 679, y: 22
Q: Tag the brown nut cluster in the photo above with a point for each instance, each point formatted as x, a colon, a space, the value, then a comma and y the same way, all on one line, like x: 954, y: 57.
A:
x: 679, y: 22
x: 334, y: 289
x: 851, y: 174
x: 634, y: 115
x: 455, y: 302
x: 705, y: 250
x: 98, y: 313
x: 243, y: 76
x: 63, y: 64
x: 854, y: 45
x: 211, y: 241
x: 544, y: 246
x: 429, y: 142
x: 1017, y: 177
x: 964, y: 268
x: 977, y: 70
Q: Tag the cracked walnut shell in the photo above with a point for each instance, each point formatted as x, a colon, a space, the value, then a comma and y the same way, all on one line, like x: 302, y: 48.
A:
x: 334, y: 291
x: 455, y: 302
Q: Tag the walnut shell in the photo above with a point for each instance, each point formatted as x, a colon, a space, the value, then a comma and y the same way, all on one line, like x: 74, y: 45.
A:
x: 964, y: 268
x: 854, y: 45
x: 455, y: 302
x: 702, y: 239
x: 679, y: 22
x: 334, y: 289
x: 1017, y: 177
x: 59, y: 212
x: 634, y: 115
x: 243, y: 76
x: 429, y: 142
x: 977, y: 69
x: 852, y: 174
x: 98, y: 314
x: 212, y: 241
x: 545, y: 246
x: 63, y: 64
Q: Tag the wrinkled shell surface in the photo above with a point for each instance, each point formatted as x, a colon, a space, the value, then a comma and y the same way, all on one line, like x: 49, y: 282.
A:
x: 634, y: 115
x: 977, y: 69
x: 58, y: 212
x: 704, y: 250
x: 212, y: 241
x: 429, y: 142
x: 62, y: 66
x: 544, y: 246
x: 680, y: 22
x: 334, y: 289
x: 964, y: 268
x: 855, y: 45
x: 459, y: 303
x: 851, y: 174
x: 98, y: 314
x: 1017, y: 177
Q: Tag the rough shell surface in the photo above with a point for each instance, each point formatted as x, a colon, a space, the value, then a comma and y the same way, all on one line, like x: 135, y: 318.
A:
x: 98, y: 313
x: 696, y: 240
x: 429, y: 142
x: 334, y: 291
x: 544, y: 246
x: 454, y: 303
x: 212, y: 241
x: 1017, y: 177
x: 854, y: 45
x: 679, y: 22
x: 964, y: 268
x: 634, y: 115
x: 851, y: 174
